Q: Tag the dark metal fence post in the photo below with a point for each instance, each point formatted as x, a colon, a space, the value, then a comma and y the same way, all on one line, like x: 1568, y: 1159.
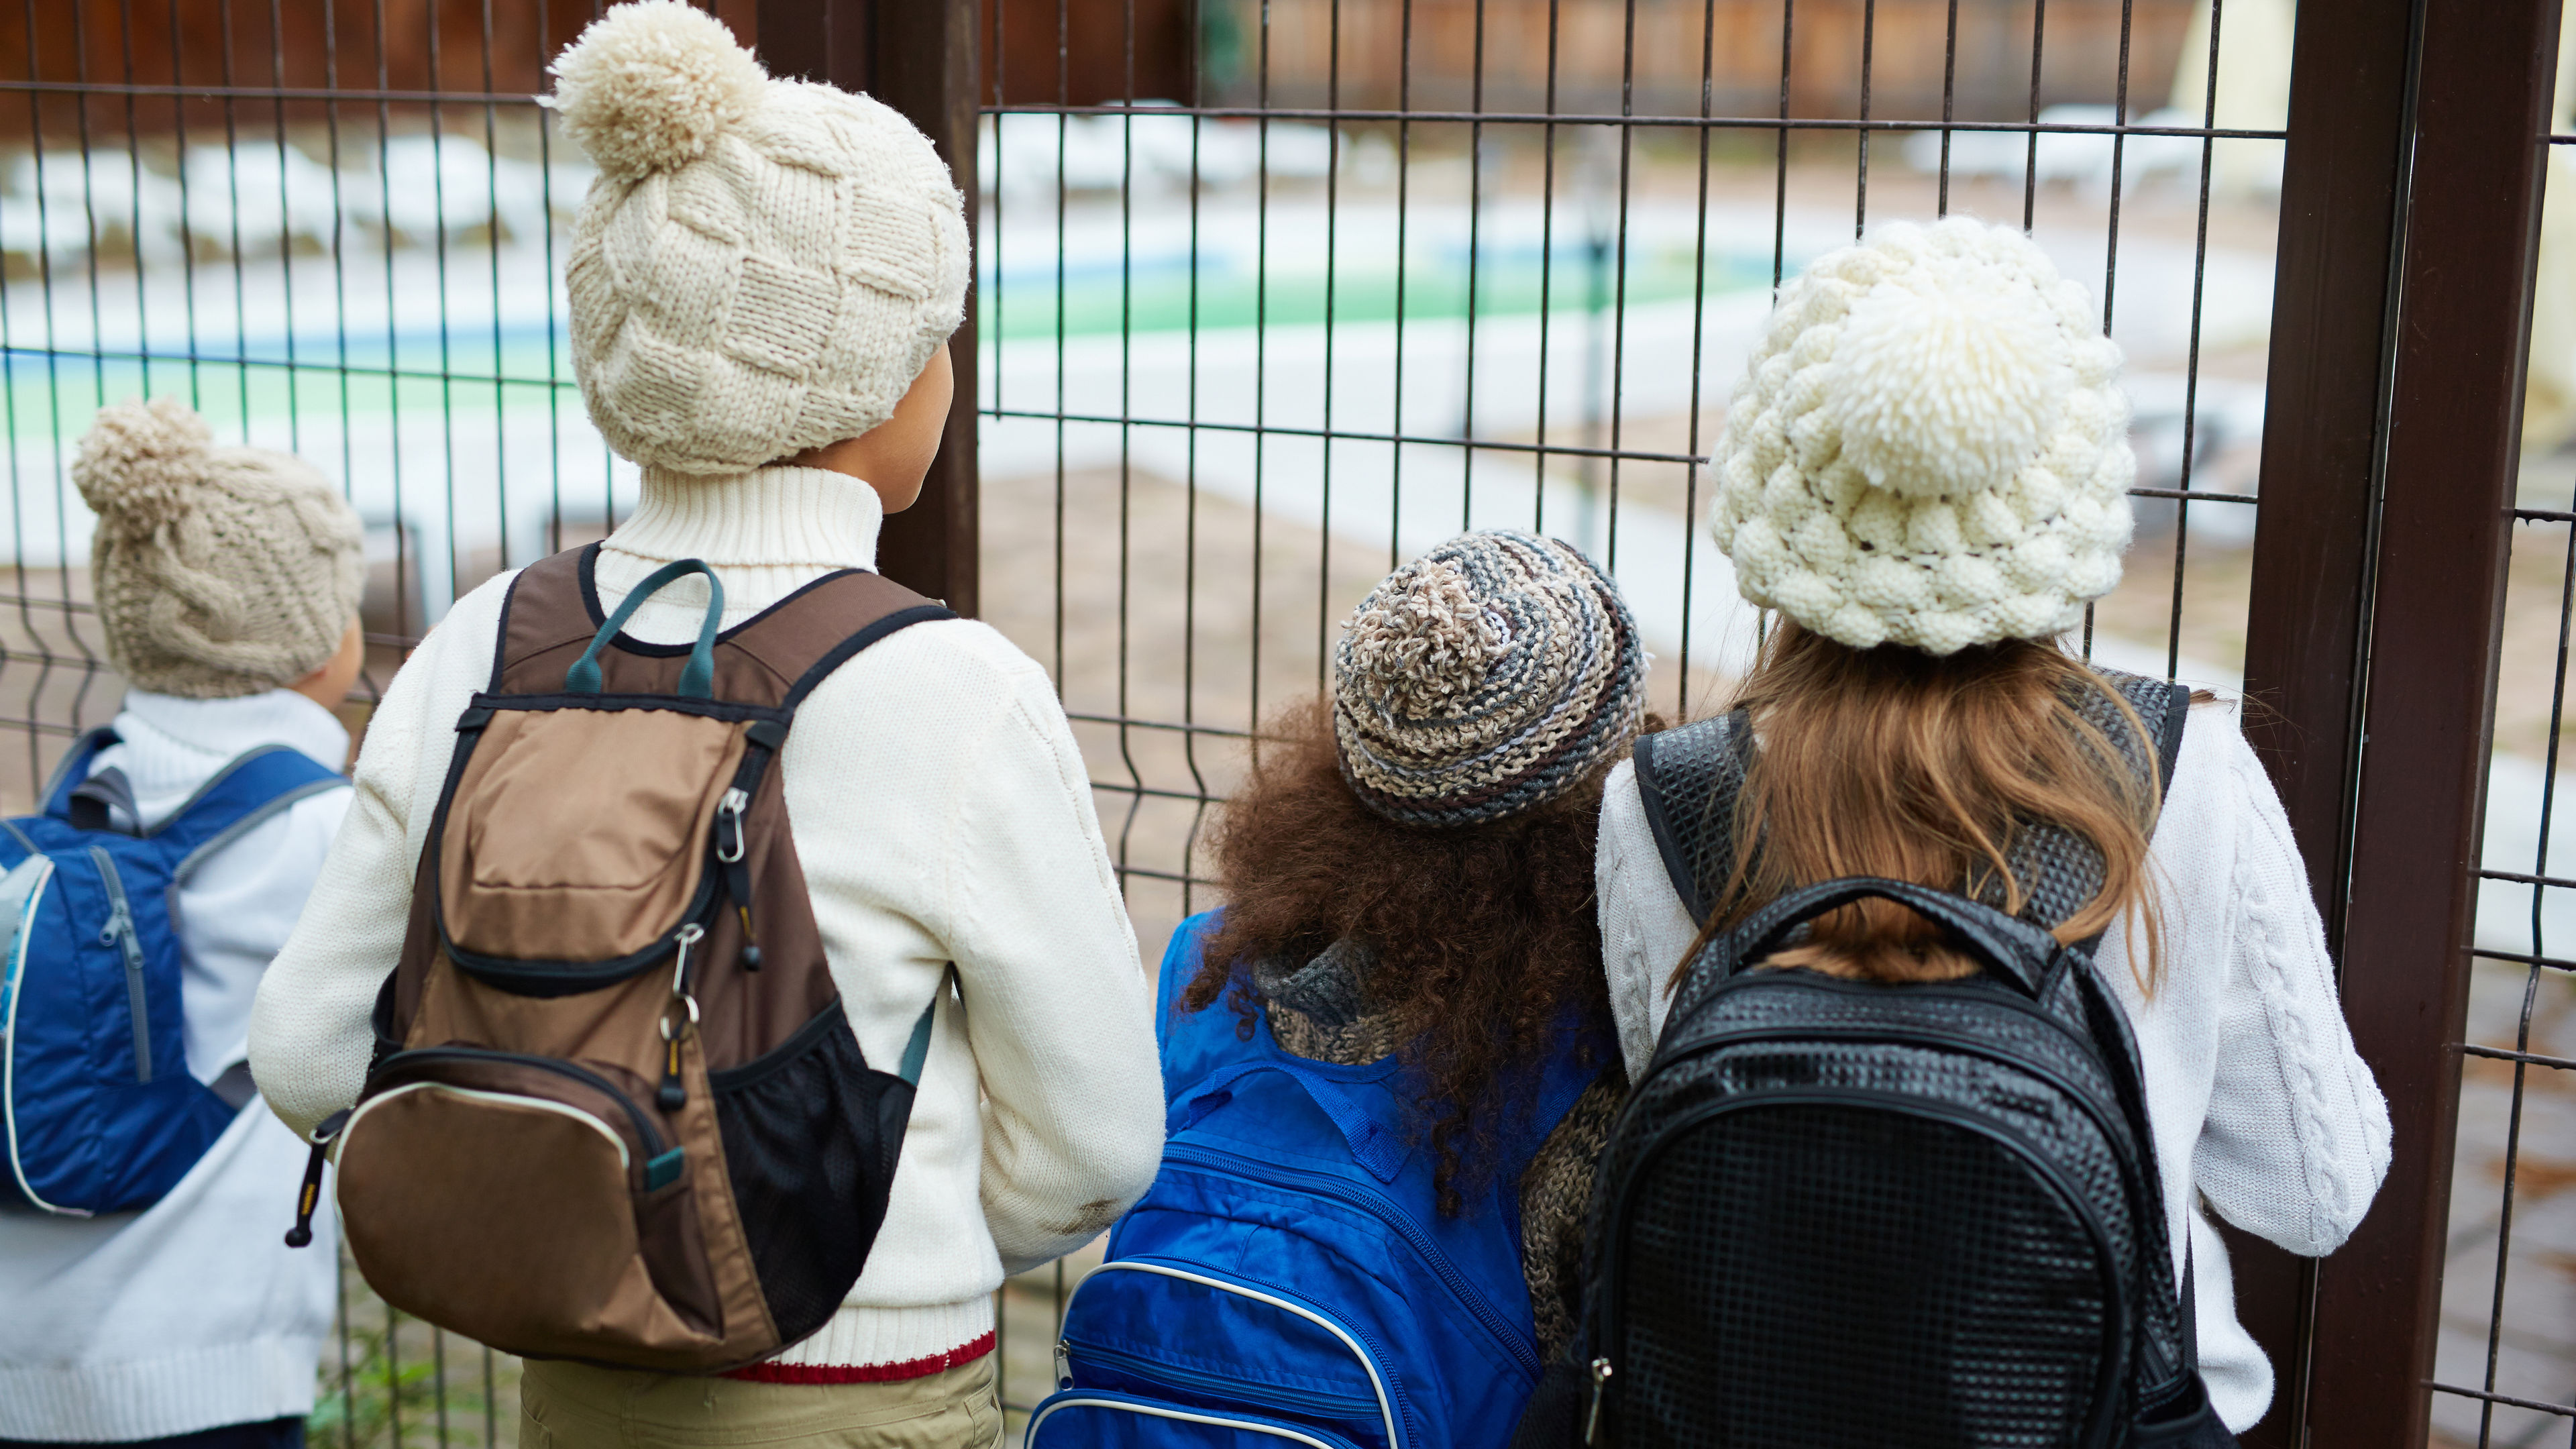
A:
x: 919, y: 57
x: 2334, y: 291
x: 2485, y: 73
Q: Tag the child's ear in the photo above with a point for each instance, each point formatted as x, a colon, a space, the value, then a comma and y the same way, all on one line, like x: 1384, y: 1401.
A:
x: 329, y: 685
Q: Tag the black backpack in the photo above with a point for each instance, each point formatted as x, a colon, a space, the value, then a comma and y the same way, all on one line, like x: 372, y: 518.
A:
x: 1844, y: 1213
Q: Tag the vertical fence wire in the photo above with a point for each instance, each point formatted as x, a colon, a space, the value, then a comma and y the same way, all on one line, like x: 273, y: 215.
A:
x: 1397, y: 240
x: 2504, y: 1319
x: 1420, y: 176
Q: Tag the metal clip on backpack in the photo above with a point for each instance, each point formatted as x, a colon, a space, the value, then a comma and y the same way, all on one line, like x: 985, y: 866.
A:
x: 101, y: 1113
x: 618, y: 1113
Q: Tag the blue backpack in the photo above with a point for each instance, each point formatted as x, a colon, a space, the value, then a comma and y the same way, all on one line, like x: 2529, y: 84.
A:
x: 1288, y: 1279
x: 100, y: 1112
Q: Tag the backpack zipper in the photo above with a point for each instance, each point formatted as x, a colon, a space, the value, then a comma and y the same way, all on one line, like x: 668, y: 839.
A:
x: 1273, y: 1396
x: 1390, y: 1403
x: 1601, y: 1372
x: 1102, y: 1400
x: 15, y: 965
x: 1385, y: 1212
x: 1909, y: 1034
x: 644, y: 1128
x: 730, y: 848
x: 120, y: 932
x: 1972, y: 1046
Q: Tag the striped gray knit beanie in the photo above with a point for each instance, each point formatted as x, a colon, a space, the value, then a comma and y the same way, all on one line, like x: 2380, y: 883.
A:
x: 1485, y: 678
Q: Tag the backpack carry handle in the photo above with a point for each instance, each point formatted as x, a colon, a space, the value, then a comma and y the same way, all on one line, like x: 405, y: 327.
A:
x: 698, y: 678
x: 2008, y: 946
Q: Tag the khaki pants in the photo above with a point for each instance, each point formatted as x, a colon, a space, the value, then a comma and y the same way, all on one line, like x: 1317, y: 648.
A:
x: 575, y: 1406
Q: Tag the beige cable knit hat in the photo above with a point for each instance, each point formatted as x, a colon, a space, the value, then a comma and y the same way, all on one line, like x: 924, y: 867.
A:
x: 1929, y: 446
x: 763, y: 266
x: 218, y: 571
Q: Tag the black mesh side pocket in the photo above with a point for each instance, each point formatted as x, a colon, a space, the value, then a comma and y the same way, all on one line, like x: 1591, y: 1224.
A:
x: 808, y: 1155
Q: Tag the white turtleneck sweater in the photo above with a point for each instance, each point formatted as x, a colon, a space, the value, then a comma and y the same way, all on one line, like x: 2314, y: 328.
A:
x: 941, y: 813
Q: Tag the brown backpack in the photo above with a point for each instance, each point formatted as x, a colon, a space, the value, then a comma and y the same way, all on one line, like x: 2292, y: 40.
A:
x: 617, y: 1112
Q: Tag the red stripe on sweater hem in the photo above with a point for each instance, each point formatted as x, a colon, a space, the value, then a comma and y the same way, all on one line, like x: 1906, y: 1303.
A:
x: 865, y: 1373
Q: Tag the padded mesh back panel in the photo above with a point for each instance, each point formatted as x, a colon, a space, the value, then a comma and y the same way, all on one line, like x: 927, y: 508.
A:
x: 1825, y: 1277
x: 804, y: 1150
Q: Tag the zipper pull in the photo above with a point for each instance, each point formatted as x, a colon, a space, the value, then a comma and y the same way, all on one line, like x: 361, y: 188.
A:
x: 310, y: 1196
x: 118, y: 923
x: 729, y: 808
x: 672, y: 1094
x: 689, y: 935
x: 1601, y: 1372
x: 1063, y: 1366
x: 730, y: 850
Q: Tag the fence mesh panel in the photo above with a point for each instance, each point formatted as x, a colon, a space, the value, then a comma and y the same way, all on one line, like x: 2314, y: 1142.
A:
x: 1272, y: 294
x: 2505, y: 1363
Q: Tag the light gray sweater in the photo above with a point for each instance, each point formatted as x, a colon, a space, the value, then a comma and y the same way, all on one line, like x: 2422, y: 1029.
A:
x: 2260, y: 1106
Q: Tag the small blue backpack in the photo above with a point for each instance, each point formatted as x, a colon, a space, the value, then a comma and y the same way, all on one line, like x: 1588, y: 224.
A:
x: 98, y: 1109
x: 1288, y: 1279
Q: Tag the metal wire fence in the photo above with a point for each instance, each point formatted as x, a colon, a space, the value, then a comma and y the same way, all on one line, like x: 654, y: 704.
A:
x: 1269, y: 297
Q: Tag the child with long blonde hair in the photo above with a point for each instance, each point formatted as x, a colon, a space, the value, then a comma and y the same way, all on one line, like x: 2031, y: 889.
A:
x: 1925, y: 474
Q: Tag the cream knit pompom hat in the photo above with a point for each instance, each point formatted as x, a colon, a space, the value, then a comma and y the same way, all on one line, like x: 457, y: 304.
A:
x: 218, y: 571
x: 763, y: 266
x: 1929, y: 446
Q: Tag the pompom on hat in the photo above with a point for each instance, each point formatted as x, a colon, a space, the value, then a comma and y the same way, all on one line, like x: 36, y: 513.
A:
x: 763, y: 266
x: 1929, y: 446
x: 218, y: 572
x: 1489, y: 676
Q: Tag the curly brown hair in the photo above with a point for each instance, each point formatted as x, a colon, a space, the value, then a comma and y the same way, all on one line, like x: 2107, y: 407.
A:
x: 1484, y: 934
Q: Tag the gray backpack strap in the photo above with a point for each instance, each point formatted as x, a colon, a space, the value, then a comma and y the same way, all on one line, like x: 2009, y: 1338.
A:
x: 2059, y: 870
x: 1688, y: 779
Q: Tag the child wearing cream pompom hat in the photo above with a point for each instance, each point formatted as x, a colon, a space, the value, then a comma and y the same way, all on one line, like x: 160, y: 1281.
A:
x: 762, y: 283
x: 1925, y: 472
x: 227, y: 585
x: 1928, y: 447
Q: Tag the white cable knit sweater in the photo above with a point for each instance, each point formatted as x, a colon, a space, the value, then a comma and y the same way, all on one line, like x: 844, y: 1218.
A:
x: 941, y: 812
x: 2259, y: 1104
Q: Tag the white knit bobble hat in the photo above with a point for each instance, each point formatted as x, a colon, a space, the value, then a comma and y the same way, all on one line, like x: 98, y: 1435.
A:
x: 763, y: 266
x: 1929, y: 446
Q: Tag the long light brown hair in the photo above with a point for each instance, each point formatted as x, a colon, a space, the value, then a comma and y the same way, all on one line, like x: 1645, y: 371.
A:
x: 1896, y: 763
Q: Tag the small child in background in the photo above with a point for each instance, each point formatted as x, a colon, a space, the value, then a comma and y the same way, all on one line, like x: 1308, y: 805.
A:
x: 227, y: 583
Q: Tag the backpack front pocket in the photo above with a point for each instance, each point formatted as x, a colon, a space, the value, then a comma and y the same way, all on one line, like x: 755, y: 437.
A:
x: 582, y: 835
x: 528, y: 1203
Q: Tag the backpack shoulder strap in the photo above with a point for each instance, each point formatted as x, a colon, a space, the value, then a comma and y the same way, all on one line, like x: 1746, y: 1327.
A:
x: 2062, y: 871
x: 1687, y: 779
x: 72, y: 770
x: 243, y: 795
